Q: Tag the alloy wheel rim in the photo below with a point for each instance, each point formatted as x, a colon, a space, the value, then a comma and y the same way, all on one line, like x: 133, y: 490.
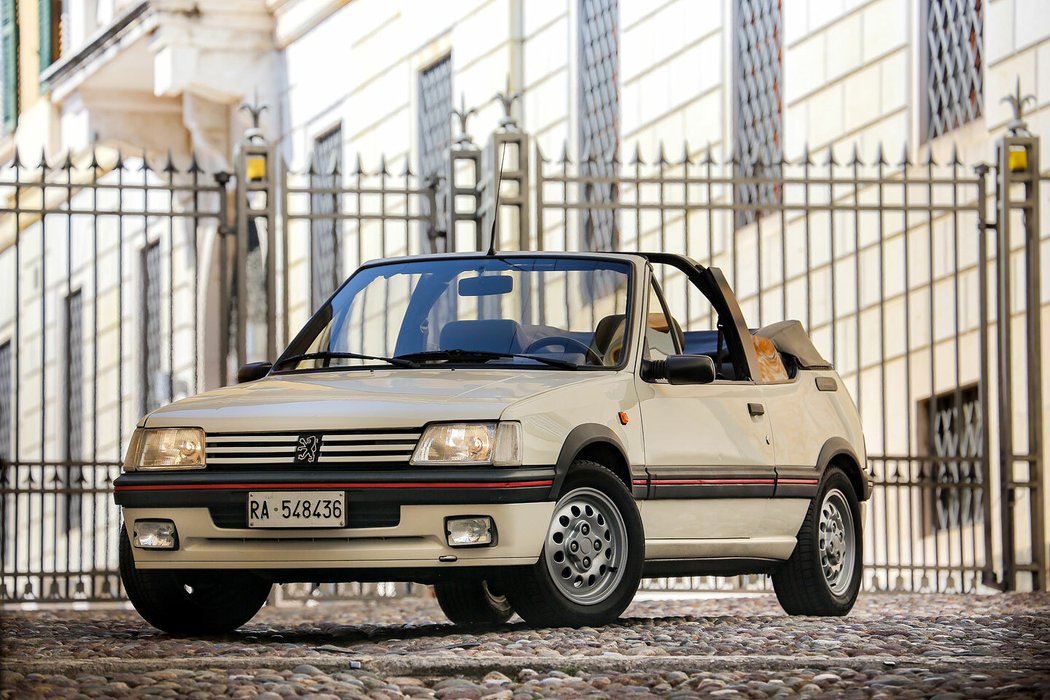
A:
x: 586, y: 546
x: 836, y: 541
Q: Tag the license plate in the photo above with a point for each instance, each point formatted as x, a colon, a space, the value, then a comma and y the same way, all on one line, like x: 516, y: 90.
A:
x: 296, y: 509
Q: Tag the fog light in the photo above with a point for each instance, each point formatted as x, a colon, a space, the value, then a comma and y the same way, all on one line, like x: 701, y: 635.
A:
x: 470, y: 532
x: 155, y: 534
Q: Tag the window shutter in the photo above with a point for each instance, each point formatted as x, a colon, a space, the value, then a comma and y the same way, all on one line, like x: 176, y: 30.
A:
x: 9, y: 58
x: 46, y: 50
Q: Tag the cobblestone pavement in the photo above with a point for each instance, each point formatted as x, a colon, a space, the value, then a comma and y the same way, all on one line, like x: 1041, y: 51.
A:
x: 891, y: 645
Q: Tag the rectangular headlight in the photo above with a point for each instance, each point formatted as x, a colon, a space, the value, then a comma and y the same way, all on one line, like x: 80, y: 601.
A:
x: 165, y: 448
x: 497, y: 444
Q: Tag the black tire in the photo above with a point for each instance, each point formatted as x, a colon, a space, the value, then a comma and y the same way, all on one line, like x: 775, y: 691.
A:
x: 533, y: 592
x: 191, y: 602
x: 473, y: 602
x: 801, y: 584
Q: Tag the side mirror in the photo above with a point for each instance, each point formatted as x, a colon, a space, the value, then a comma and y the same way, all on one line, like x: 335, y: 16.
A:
x: 683, y: 369
x: 252, y: 371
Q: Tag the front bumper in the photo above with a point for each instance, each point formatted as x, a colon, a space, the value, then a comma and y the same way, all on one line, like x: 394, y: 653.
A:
x: 393, y: 520
x: 416, y: 542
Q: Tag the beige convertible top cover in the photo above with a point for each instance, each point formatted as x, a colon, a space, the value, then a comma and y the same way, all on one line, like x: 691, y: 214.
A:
x: 791, y: 338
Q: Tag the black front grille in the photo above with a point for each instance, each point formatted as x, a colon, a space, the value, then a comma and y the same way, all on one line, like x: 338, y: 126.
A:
x: 361, y: 449
x: 359, y: 514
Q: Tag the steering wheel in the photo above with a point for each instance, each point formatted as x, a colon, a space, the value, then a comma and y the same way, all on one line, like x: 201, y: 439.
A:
x: 565, y: 342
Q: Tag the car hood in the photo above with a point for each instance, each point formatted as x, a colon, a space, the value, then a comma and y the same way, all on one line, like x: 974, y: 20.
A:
x: 396, y: 398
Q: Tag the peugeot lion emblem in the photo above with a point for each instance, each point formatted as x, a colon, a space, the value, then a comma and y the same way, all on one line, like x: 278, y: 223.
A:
x: 308, y: 448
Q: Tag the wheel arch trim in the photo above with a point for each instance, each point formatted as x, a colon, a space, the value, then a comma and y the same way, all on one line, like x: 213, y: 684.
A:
x: 580, y: 438
x: 838, y: 451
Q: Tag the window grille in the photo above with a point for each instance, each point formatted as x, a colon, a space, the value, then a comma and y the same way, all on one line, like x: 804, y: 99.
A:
x: 953, y: 434
x: 599, y: 128
x: 153, y: 384
x: 759, y: 105
x: 9, y: 60
x: 74, y: 405
x: 435, y: 131
x: 326, y: 263
x: 954, y: 55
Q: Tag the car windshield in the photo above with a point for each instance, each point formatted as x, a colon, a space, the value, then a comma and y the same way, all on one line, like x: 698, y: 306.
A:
x: 559, y: 313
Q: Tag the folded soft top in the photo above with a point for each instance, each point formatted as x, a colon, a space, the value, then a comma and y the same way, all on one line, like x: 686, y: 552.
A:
x: 791, y: 338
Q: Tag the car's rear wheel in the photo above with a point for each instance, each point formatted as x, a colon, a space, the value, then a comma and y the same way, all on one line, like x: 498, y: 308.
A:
x: 191, y: 602
x: 592, y: 555
x: 473, y: 602
x: 823, y: 575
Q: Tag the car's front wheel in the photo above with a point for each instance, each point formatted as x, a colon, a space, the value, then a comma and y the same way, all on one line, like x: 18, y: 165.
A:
x: 473, y: 602
x: 191, y: 602
x: 592, y: 555
x: 823, y: 575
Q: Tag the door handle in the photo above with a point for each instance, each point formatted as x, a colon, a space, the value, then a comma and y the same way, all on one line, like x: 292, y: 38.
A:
x: 756, y: 409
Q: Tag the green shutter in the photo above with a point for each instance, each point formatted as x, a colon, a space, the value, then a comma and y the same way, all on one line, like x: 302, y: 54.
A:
x: 9, y: 58
x: 47, y: 36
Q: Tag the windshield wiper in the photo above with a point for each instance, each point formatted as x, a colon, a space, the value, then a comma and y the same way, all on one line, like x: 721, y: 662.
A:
x: 325, y: 355
x: 463, y: 355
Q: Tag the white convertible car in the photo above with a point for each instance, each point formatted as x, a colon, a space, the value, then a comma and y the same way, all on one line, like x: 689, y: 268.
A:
x: 528, y: 432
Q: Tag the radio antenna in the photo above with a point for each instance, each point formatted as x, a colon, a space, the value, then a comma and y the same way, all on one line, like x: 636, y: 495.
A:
x: 495, y: 206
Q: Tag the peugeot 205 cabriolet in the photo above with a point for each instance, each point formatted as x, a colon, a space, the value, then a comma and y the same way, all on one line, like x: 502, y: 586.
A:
x: 528, y: 432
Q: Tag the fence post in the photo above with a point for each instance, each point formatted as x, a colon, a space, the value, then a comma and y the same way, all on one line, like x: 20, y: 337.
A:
x: 463, y: 157
x: 256, y: 163
x: 509, y: 152
x: 1017, y: 159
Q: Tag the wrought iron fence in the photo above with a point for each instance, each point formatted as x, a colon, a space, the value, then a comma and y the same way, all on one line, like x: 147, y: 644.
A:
x: 112, y: 278
x: 893, y: 268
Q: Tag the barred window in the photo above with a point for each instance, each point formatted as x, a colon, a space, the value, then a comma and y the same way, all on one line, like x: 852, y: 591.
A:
x: 952, y: 436
x: 954, y: 55
x: 326, y: 261
x: 759, y: 104
x: 153, y: 385
x: 435, y: 132
x: 74, y: 362
x: 599, y: 128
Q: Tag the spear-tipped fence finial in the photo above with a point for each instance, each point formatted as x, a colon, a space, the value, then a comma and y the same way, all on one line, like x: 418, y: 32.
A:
x: 709, y: 155
x: 929, y: 160
x: 636, y: 157
x: 564, y: 159
x: 806, y: 159
x: 905, y: 160
x: 169, y: 166
x: 854, y: 159
x: 880, y: 155
x: 1017, y: 101
x: 684, y: 160
x: 829, y: 157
